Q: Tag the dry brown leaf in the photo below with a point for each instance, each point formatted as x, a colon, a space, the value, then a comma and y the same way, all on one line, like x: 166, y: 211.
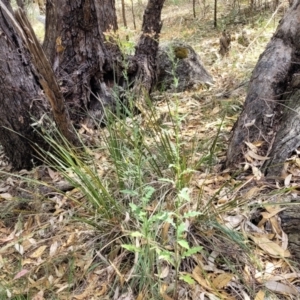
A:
x: 19, y: 248
x: 38, y: 252
x: 140, y: 296
x: 164, y: 272
x: 6, y: 196
x: 89, y: 290
x: 248, y: 158
x: 281, y: 288
x: 20, y: 274
x: 297, y: 162
x: 251, y: 146
x: 39, y: 296
x: 285, y: 240
x: 287, y: 180
x: 164, y: 232
x: 71, y: 239
x: 53, y: 248
x: 276, y: 226
x: 53, y: 175
x: 222, y: 280
x: 215, y: 110
x: 103, y: 290
x: 256, y: 156
x: 287, y: 276
x: 8, y: 238
x: 256, y: 172
x: 197, y: 275
x: 274, y: 210
x: 270, y: 247
x: 4, y: 189
x: 260, y: 295
x: 233, y: 221
x: 166, y: 297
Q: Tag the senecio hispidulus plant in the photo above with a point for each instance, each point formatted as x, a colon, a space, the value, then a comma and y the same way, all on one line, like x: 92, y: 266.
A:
x: 142, y: 207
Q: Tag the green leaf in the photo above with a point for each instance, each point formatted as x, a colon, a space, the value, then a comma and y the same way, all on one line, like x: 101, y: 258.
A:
x: 187, y: 278
x: 129, y: 192
x: 131, y: 248
x: 184, y: 194
x: 165, y: 255
x: 181, y: 229
x: 183, y: 244
x: 166, y: 180
x: 136, y: 234
x: 191, y: 214
x: 149, y: 191
x: 133, y: 207
x: 192, y: 251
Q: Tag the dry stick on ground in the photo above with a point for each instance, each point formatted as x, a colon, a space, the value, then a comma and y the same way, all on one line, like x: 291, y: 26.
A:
x: 47, y: 79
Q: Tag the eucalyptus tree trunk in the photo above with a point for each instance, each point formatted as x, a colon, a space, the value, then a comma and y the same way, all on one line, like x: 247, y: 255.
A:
x: 124, y: 13
x: 75, y: 45
x: 215, y: 14
x: 270, y: 119
x: 22, y: 102
x: 88, y: 64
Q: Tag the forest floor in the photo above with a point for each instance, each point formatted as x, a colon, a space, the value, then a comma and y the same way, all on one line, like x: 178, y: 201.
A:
x: 171, y: 224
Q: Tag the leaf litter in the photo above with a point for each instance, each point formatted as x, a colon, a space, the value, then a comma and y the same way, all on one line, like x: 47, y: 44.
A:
x: 42, y: 246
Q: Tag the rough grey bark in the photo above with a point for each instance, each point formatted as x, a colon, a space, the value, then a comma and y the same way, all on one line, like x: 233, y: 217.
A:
x: 74, y: 42
x: 147, y: 47
x: 266, y: 116
x: 290, y: 219
x: 88, y: 65
x: 47, y: 80
x: 22, y: 102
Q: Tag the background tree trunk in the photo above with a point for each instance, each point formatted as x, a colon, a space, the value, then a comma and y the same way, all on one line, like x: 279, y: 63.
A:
x: 88, y: 65
x: 147, y: 47
x: 124, y: 13
x: 74, y: 42
x: 47, y: 79
x: 271, y: 112
x: 215, y: 14
x: 22, y: 102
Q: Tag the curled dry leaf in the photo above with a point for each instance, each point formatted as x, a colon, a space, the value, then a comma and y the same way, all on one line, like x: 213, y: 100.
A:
x: 198, y: 276
x: 164, y: 272
x: 6, y: 196
x: 282, y: 288
x: 39, y: 296
x: 53, y: 248
x: 256, y: 156
x: 287, y: 180
x: 222, y: 280
x: 20, y: 274
x: 270, y: 247
x: 256, y: 172
x: 19, y: 248
x: 260, y: 295
x: 38, y: 252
